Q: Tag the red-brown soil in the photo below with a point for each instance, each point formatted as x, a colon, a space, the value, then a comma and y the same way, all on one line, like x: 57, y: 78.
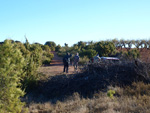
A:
x: 145, y: 55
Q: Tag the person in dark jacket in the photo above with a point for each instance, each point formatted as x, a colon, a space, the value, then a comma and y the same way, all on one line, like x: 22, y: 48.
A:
x: 66, y: 62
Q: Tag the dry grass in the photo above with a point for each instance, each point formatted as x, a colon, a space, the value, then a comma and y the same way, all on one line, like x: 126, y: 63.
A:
x: 129, y: 99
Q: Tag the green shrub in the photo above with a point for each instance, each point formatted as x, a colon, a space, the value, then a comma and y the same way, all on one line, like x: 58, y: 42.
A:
x: 111, y: 93
x: 134, y: 54
x: 47, y: 57
x: 11, y: 72
x: 89, y: 53
x: 33, y: 59
x: 131, y: 54
x: 51, y: 44
x: 46, y: 48
x: 46, y: 61
x: 105, y: 48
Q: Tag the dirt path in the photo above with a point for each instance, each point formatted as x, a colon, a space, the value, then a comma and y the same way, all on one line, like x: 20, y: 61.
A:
x: 55, y: 67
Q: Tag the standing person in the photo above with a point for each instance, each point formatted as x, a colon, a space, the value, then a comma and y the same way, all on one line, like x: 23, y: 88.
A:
x: 66, y: 62
x: 76, y: 60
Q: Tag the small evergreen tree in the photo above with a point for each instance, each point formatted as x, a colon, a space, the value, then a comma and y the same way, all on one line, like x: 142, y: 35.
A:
x: 89, y: 53
x: 51, y: 44
x: 11, y: 72
x: 105, y: 48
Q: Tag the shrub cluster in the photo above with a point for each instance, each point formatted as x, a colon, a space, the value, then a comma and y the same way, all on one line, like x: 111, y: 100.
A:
x: 18, y: 72
x: 11, y: 72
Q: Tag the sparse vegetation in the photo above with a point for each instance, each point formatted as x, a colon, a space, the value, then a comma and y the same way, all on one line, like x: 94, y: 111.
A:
x: 100, y: 87
x: 124, y: 101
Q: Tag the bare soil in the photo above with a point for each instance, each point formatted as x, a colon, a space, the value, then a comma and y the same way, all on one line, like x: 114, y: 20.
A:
x: 145, y: 55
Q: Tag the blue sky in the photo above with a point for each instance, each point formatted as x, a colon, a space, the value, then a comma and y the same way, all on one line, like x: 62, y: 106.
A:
x: 70, y: 21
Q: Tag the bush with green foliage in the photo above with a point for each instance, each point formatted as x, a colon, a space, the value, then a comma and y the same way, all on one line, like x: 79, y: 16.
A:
x: 89, y: 53
x: 47, y: 57
x: 105, y: 48
x: 131, y: 54
x: 134, y: 53
x: 11, y: 72
x: 33, y: 57
x: 63, y: 51
x: 111, y: 93
x: 51, y: 44
x: 46, y: 48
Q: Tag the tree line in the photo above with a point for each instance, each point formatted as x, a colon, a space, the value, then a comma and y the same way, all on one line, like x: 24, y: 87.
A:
x: 132, y: 43
x: 124, y: 49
